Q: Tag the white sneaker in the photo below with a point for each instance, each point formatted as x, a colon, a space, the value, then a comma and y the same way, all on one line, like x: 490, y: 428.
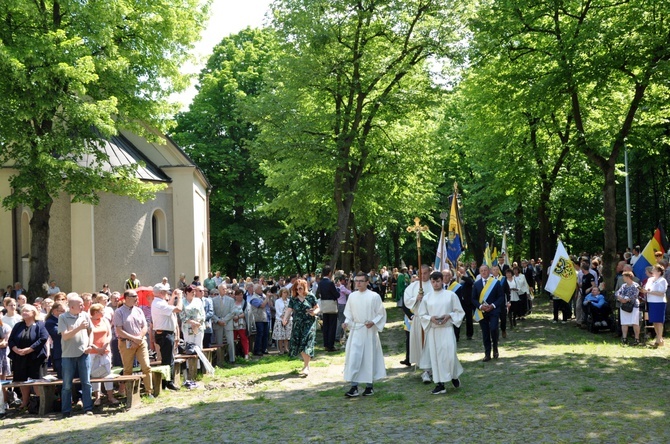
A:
x: 425, y: 377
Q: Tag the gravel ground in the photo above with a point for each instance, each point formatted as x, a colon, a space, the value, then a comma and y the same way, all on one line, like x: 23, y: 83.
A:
x: 553, y: 383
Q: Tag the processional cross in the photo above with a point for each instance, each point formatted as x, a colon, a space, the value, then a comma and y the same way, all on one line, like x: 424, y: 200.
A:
x: 418, y: 229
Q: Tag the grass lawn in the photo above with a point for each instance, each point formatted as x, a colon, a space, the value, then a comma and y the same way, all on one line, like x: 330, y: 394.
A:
x: 553, y: 383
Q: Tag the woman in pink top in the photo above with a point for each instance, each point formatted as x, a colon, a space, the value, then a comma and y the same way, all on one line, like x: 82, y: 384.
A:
x: 101, y: 354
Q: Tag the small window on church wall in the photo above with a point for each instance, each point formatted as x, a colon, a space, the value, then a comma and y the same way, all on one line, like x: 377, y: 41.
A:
x: 159, y: 232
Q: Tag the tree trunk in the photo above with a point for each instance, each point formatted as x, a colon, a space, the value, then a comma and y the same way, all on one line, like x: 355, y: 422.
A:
x: 233, y: 255
x: 337, y: 242
x: 296, y: 262
x: 368, y: 258
x: 355, y: 249
x: 39, y: 252
x: 547, y: 238
x: 395, y: 235
x: 518, y: 231
x: 532, y: 243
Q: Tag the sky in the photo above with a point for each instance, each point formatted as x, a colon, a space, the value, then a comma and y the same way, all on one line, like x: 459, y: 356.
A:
x: 226, y: 17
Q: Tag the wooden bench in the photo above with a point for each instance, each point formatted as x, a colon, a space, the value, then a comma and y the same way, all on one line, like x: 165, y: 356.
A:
x: 46, y: 390
x: 156, y: 375
x: 192, y: 362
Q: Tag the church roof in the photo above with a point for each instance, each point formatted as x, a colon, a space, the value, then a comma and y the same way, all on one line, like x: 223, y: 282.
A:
x: 121, y: 152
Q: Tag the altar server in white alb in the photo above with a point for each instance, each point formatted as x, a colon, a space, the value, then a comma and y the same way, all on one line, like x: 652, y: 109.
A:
x: 412, y: 300
x: 365, y: 317
x: 441, y: 311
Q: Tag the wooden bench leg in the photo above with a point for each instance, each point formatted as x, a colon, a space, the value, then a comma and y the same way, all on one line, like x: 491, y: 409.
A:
x: 132, y: 393
x: 221, y: 356
x: 177, y: 373
x: 157, y: 381
x: 47, y: 395
x: 192, y: 368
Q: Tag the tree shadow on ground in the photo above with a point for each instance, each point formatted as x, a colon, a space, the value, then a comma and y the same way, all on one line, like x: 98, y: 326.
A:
x: 534, y: 398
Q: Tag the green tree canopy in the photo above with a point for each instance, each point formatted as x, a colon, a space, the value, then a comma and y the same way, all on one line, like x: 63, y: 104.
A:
x: 72, y: 73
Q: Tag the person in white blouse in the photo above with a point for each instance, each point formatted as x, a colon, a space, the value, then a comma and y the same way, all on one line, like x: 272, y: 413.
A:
x: 655, y: 289
x: 281, y: 332
x: 519, y: 293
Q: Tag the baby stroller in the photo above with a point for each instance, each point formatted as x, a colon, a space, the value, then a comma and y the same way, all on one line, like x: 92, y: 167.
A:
x: 598, y: 319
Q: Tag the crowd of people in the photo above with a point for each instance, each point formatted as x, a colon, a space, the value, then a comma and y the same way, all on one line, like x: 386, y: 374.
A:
x: 85, y: 336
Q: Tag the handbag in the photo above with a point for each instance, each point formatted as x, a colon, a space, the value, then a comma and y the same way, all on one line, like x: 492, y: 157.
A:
x: 186, y: 348
x: 250, y: 319
x: 628, y: 306
x: 328, y: 306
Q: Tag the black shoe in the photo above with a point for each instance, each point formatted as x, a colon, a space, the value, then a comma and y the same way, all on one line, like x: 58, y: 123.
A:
x: 504, y: 334
x: 368, y: 391
x: 406, y: 363
x: 66, y: 415
x: 486, y: 359
x: 266, y: 352
x: 171, y: 386
x: 495, y: 353
x: 439, y: 389
x: 456, y: 382
x: 352, y: 393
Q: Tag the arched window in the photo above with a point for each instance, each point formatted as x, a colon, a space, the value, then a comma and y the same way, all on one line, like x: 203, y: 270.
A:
x: 159, y: 231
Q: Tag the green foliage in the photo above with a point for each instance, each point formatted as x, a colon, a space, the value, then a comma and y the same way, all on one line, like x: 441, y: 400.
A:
x: 216, y: 135
x: 71, y: 74
x: 348, y: 100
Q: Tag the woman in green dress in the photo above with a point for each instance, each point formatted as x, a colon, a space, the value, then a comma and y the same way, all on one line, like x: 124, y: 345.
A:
x: 304, y: 309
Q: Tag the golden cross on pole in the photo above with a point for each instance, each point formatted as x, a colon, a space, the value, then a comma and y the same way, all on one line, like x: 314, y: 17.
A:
x: 418, y: 229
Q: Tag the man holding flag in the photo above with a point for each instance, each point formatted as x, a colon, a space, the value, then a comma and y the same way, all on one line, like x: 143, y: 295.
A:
x: 488, y: 298
x: 561, y: 277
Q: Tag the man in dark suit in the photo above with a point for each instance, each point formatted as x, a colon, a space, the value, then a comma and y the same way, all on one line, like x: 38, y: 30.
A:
x: 488, y: 297
x: 529, y: 274
x: 327, y: 291
x: 467, y: 282
x: 452, y: 284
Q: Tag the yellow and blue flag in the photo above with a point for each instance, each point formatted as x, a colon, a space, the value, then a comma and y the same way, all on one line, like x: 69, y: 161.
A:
x: 456, y: 243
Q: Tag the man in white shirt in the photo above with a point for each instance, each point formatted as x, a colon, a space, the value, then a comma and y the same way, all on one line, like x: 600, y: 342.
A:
x: 164, y: 317
x: 635, y: 256
x: 53, y: 288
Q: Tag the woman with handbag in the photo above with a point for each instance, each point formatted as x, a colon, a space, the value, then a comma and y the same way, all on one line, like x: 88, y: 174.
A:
x: 281, y: 332
x: 629, y: 311
x: 304, y: 309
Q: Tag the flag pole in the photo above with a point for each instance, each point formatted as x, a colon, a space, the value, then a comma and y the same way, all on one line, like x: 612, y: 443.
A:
x: 418, y: 229
x: 443, y: 243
